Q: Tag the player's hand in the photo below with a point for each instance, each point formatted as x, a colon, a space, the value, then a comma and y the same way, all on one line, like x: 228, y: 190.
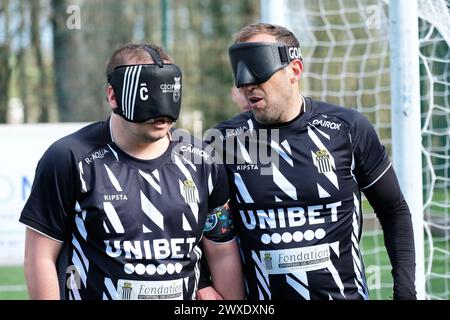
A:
x: 208, y: 293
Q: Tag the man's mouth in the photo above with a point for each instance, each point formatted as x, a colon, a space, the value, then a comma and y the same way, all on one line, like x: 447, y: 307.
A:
x: 159, y: 121
x: 253, y: 101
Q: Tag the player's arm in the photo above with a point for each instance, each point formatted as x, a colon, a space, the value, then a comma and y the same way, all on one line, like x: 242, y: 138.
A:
x: 377, y: 179
x: 41, y: 276
x: 208, y: 293
x: 219, y: 243
x: 222, y: 254
x: 47, y: 217
x: 391, y: 209
x: 226, y: 271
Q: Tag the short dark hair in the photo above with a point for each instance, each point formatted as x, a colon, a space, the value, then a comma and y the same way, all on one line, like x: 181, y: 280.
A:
x: 282, y: 34
x: 125, y: 53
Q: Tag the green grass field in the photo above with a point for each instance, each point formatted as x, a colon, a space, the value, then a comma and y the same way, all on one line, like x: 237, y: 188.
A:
x: 437, y: 283
x: 12, y: 284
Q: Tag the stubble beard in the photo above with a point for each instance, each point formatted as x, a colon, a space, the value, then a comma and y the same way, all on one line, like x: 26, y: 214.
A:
x: 267, y: 115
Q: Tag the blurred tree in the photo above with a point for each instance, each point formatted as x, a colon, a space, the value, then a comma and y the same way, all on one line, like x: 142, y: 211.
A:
x: 203, y: 32
x: 148, y: 22
x: 43, y: 96
x: 107, y: 26
x: 5, y: 53
x: 198, y: 35
x: 20, y: 61
x: 67, y: 59
x: 81, y: 54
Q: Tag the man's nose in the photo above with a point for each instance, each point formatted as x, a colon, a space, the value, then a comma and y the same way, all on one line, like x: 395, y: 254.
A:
x: 247, y: 88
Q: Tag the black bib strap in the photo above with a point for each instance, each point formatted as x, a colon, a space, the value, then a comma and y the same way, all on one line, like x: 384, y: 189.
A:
x: 155, y: 56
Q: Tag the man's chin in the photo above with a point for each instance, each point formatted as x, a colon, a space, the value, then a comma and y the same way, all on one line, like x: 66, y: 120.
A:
x: 262, y: 117
x: 150, y: 138
x: 161, y: 133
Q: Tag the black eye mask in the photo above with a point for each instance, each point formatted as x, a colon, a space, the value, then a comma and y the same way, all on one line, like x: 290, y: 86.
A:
x: 256, y: 62
x: 147, y: 91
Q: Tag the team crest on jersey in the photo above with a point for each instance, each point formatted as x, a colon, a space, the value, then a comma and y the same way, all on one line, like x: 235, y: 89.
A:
x: 126, y: 291
x: 322, y: 161
x: 268, y: 261
x: 189, y: 190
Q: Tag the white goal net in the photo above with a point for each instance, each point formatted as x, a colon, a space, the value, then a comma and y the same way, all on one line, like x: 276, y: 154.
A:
x: 346, y: 52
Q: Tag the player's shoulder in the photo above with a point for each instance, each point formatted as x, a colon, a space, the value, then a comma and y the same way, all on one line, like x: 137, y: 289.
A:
x: 334, y: 117
x: 240, y: 121
x: 80, y: 142
x: 231, y: 127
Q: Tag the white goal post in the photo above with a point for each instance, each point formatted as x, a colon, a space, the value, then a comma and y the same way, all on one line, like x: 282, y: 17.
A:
x: 406, y: 128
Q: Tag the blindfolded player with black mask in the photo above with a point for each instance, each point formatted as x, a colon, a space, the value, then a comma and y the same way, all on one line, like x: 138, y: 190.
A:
x: 299, y: 223
x: 146, y: 93
x: 118, y: 208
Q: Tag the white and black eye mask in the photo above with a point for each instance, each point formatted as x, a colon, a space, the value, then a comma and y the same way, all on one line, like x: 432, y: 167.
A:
x: 147, y: 91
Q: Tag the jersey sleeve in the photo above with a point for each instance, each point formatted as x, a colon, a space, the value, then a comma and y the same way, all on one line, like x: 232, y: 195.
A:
x: 53, y: 193
x: 394, y: 215
x: 219, y: 225
x: 219, y: 222
x: 218, y: 187
x: 370, y: 156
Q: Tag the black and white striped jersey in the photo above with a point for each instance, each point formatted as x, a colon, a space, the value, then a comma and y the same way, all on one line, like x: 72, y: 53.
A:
x: 131, y: 228
x: 295, y: 195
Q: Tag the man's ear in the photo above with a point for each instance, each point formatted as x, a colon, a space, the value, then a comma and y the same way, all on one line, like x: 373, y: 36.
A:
x: 296, y: 70
x: 111, y: 97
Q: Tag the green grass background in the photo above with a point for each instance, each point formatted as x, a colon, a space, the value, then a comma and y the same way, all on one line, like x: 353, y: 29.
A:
x: 12, y: 276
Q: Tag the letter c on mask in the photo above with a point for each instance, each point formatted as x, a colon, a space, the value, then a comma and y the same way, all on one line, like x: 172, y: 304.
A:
x: 143, y: 92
